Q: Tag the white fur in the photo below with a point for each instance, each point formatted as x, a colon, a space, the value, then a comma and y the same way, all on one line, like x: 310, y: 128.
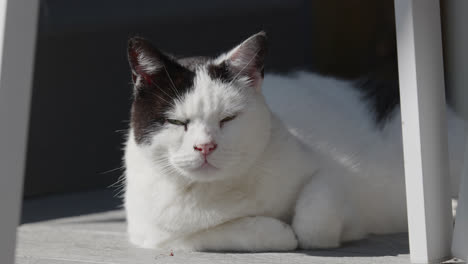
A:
x: 148, y: 64
x: 324, y: 176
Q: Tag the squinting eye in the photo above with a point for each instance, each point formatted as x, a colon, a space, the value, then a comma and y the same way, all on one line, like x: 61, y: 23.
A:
x: 177, y: 122
x: 227, y: 119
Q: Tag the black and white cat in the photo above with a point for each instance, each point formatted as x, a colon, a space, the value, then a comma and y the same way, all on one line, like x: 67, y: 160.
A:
x: 215, y: 163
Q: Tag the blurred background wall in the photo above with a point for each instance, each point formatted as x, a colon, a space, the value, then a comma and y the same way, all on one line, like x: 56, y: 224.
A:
x: 81, y: 95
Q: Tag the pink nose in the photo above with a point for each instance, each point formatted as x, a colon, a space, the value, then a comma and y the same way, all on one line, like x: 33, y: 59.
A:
x: 205, y: 149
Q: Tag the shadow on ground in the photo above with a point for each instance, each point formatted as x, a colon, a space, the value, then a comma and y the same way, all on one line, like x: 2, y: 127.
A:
x: 67, y: 205
x: 375, y: 246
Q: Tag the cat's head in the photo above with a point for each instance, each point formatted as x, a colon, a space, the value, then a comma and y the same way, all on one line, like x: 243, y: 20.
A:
x: 202, y: 118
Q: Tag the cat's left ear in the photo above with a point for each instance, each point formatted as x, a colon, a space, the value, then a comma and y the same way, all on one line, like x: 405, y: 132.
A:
x: 247, y: 60
x: 145, y: 60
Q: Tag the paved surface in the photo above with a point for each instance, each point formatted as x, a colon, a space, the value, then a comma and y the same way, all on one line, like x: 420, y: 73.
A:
x: 90, y: 228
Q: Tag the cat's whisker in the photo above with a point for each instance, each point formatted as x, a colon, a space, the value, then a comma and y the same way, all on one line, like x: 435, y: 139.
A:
x: 112, y: 170
x: 162, y: 162
x: 162, y: 98
x: 120, y: 193
x: 120, y: 180
x: 162, y: 90
x: 119, y: 185
x: 165, y: 167
x: 169, y: 170
x: 159, y: 96
x: 121, y: 131
x: 173, y: 85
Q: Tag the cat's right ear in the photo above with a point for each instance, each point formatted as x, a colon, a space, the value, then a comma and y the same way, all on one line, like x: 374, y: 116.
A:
x: 145, y: 61
x: 247, y: 60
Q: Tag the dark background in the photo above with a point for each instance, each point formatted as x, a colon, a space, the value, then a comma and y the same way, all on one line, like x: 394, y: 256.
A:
x: 81, y: 94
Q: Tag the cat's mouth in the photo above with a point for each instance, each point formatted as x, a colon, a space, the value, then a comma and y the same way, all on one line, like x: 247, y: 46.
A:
x: 206, y: 166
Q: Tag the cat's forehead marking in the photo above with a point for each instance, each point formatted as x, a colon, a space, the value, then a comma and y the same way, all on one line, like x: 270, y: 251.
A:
x: 209, y: 97
x: 217, y: 70
x: 193, y: 63
x: 220, y: 71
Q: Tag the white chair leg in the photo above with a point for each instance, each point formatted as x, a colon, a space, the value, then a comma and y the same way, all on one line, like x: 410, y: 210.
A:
x: 460, y: 234
x: 424, y: 129
x: 18, y: 20
x: 456, y: 43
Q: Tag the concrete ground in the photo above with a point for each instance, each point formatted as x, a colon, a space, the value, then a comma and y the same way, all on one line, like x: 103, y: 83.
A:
x: 90, y: 228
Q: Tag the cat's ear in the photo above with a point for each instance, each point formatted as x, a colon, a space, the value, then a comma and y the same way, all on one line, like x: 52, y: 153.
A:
x: 247, y: 59
x: 145, y: 60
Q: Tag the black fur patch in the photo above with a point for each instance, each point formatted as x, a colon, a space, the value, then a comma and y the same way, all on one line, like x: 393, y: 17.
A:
x: 382, y: 96
x: 155, y: 94
x: 220, y: 72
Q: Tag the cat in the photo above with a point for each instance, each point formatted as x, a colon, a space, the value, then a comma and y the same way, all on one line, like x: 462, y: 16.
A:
x: 215, y: 162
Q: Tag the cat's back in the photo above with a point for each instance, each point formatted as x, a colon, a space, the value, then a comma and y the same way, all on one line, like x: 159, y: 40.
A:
x: 322, y: 111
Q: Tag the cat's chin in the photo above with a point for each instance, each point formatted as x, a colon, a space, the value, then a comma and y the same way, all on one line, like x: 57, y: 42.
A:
x: 205, y: 173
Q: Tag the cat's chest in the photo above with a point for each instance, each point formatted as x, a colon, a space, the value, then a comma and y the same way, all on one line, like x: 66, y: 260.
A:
x: 200, y: 206
x: 277, y: 188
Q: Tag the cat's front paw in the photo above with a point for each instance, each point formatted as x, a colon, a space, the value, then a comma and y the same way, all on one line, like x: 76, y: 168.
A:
x: 152, y: 239
x: 315, y: 232
x: 142, y: 241
x: 283, y: 237
x: 318, y: 219
x: 268, y: 234
x: 251, y: 234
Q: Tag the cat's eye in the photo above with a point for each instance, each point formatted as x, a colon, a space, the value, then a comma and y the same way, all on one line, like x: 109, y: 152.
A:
x: 227, y: 119
x: 177, y: 122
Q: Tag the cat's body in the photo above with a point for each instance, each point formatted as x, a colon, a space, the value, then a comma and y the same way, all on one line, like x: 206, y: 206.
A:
x: 234, y: 169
